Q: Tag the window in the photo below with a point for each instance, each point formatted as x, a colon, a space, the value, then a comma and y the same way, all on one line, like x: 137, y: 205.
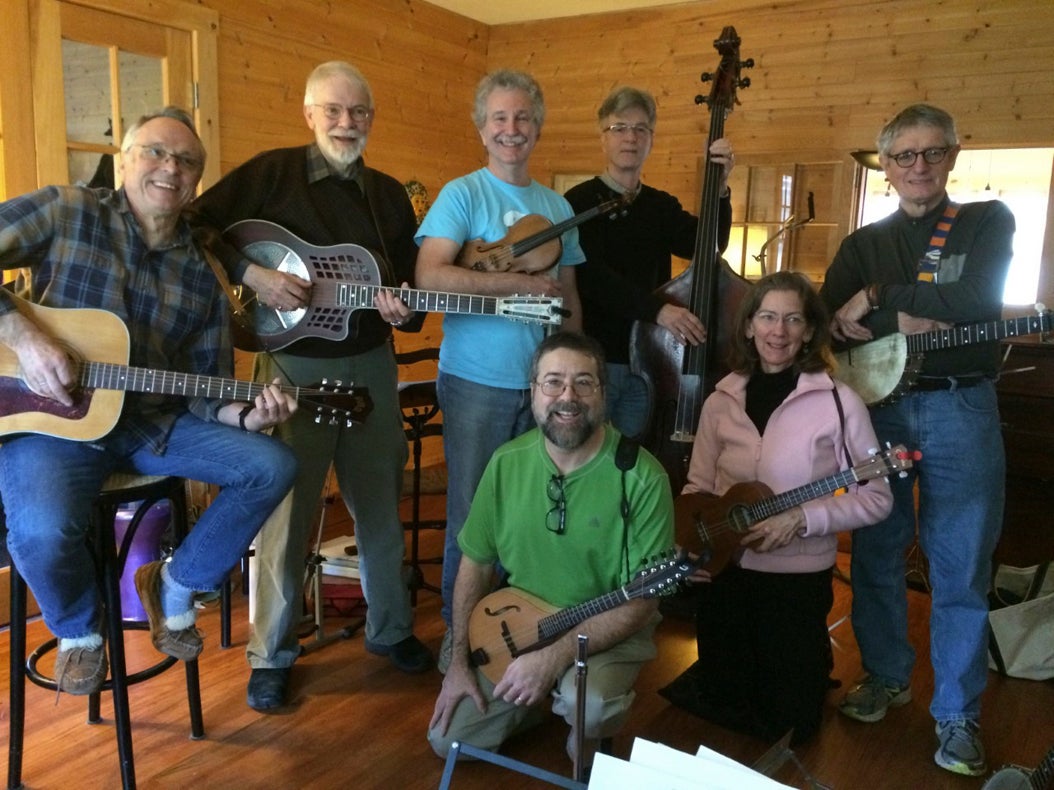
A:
x: 1019, y: 177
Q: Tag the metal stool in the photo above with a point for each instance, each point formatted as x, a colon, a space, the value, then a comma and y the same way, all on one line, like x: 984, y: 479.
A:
x: 109, y: 561
x: 419, y: 406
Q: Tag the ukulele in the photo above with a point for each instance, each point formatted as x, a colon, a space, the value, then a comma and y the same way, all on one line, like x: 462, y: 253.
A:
x: 532, y: 244
x: 714, y: 525
x: 510, y: 622
x: 101, y: 384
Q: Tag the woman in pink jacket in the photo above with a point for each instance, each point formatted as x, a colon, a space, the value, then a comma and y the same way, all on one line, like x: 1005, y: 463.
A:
x: 778, y: 418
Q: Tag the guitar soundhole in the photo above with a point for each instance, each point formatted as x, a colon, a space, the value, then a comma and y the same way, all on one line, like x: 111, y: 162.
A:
x: 344, y: 267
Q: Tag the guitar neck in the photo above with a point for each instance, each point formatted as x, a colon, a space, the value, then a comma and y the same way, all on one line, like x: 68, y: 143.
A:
x: 553, y: 231
x: 423, y: 301
x: 770, y: 506
x: 552, y: 626
x: 972, y: 334
x: 106, y: 375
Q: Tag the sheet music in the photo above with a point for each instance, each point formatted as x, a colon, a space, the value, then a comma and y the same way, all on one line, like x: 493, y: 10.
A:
x: 655, y: 766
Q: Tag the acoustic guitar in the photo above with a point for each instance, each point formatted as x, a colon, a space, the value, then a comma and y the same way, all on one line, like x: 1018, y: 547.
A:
x: 883, y: 370
x: 510, y: 622
x: 713, y: 526
x: 532, y: 244
x: 1015, y: 777
x: 102, y: 381
x: 345, y: 278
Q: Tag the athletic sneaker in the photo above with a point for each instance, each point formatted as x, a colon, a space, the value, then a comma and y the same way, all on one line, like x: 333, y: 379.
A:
x: 871, y: 698
x: 961, y: 750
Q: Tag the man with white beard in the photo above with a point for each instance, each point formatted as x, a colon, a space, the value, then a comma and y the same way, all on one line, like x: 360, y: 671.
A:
x: 325, y: 194
x: 570, y: 513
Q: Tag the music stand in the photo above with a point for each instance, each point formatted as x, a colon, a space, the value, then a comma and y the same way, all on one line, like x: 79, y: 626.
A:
x: 578, y: 782
x: 777, y: 755
x: 314, y: 576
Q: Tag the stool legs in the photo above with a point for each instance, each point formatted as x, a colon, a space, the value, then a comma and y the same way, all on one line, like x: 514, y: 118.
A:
x: 17, y: 695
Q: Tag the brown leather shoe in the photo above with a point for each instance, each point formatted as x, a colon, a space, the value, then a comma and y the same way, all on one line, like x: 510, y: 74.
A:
x: 186, y: 644
x: 81, y: 670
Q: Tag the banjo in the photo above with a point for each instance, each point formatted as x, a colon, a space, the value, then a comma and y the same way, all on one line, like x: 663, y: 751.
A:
x: 1014, y: 777
x: 882, y: 370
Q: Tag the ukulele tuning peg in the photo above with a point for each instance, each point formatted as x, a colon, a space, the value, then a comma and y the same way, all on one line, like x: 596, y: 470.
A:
x: 706, y: 76
x: 872, y: 451
x: 745, y: 82
x: 747, y: 64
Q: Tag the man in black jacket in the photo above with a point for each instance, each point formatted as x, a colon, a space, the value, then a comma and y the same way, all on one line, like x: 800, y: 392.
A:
x: 325, y: 194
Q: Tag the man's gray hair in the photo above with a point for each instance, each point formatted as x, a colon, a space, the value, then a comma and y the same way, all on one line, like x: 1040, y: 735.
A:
x: 508, y: 79
x: 171, y: 111
x: 628, y: 98
x: 917, y: 115
x: 336, y: 68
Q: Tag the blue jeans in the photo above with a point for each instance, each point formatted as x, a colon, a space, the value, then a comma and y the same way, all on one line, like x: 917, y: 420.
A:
x: 477, y: 420
x: 961, y: 479
x: 48, y: 486
x: 627, y: 400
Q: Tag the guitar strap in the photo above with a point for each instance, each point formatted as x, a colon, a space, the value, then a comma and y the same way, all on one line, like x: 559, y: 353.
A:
x: 625, y: 459
x: 930, y: 262
x: 225, y: 283
x: 841, y: 423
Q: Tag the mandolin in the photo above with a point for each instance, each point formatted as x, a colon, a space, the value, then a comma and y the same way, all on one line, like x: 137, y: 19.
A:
x: 510, y: 622
x: 713, y: 525
x: 532, y: 244
x: 101, y: 383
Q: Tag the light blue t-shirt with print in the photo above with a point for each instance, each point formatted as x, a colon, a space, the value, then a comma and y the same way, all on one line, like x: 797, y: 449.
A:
x: 491, y: 350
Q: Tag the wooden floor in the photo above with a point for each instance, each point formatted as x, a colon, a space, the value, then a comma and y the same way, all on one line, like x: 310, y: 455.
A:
x: 356, y: 722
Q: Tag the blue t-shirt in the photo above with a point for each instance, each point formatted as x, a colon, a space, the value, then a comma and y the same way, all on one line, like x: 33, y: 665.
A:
x: 491, y: 350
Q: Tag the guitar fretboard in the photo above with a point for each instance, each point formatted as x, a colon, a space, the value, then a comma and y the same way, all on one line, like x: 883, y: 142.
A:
x: 423, y: 301
x: 972, y: 334
x: 106, y: 375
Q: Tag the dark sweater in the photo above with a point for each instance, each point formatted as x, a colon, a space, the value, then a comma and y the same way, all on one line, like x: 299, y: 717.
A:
x: 969, y: 288
x: 628, y: 258
x: 275, y: 186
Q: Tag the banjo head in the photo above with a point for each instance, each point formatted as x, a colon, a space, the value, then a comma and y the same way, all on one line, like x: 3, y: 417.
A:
x: 875, y: 370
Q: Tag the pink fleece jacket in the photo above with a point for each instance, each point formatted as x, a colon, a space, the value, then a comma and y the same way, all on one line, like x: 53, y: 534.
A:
x: 802, y: 444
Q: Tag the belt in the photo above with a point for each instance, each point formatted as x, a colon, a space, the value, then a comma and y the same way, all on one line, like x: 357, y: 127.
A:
x: 948, y: 382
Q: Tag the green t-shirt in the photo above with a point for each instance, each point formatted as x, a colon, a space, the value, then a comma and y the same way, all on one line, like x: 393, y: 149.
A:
x: 507, y: 521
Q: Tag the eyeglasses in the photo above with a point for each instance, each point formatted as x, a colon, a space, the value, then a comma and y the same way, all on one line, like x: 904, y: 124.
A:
x: 624, y: 128
x: 156, y: 153
x: 556, y: 518
x: 334, y: 112
x: 769, y: 318
x: 583, y: 387
x: 931, y: 156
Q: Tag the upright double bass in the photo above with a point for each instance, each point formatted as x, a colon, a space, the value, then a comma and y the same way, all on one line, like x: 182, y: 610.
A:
x: 680, y: 377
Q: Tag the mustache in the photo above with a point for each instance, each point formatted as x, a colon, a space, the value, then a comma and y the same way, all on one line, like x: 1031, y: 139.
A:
x: 567, y: 408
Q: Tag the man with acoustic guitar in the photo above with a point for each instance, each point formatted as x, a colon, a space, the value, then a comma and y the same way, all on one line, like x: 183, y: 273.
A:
x: 929, y: 265
x: 128, y: 252
x: 570, y: 515
x: 326, y: 195
x: 483, y: 361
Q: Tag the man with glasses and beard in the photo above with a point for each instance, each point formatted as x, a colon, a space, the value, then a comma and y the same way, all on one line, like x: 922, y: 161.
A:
x: 325, y: 194
x: 567, y: 520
